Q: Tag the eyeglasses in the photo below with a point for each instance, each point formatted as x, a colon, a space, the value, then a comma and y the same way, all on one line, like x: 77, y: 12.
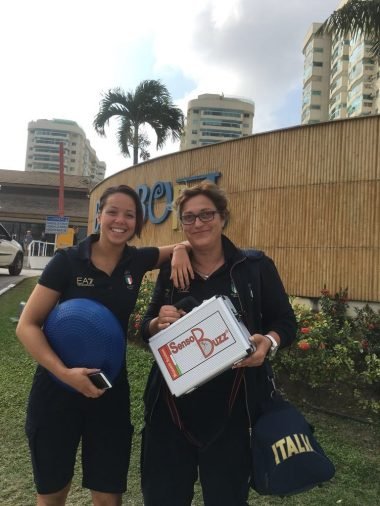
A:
x: 204, y: 216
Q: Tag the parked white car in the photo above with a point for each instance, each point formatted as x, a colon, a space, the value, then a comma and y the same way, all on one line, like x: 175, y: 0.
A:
x: 11, y: 254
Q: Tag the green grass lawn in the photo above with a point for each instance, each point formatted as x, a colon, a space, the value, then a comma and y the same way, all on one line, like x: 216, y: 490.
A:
x: 354, y: 447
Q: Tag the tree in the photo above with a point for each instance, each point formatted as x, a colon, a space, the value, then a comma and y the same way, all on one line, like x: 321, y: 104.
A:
x: 356, y: 17
x: 149, y: 104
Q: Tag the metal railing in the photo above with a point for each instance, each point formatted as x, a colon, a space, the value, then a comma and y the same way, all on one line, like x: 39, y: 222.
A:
x: 41, y: 249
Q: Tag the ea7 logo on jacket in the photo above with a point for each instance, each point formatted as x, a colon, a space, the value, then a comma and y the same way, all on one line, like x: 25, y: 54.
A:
x: 85, y: 282
x: 291, y: 445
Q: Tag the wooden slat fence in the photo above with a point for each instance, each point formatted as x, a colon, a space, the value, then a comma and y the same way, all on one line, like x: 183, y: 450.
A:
x: 308, y: 196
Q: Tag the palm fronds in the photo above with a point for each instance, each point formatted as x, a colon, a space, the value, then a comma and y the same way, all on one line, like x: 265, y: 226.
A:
x: 150, y: 103
x: 356, y: 17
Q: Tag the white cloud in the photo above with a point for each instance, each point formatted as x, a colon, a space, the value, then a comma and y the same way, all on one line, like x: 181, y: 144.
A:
x: 256, y: 52
x: 56, y: 59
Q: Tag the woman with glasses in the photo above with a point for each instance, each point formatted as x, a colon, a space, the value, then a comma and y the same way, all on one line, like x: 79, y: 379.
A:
x: 205, y: 434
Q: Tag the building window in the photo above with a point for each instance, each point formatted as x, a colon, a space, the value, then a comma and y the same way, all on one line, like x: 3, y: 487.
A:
x: 222, y: 123
x: 221, y: 112
x: 307, y: 73
x: 317, y: 64
x: 306, y: 99
x: 46, y: 149
x: 216, y: 133
x: 193, y: 142
x: 194, y: 132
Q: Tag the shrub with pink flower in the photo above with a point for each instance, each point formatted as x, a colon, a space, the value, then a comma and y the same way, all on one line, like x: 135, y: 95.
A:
x: 142, y: 303
x: 303, y: 345
x: 334, y: 351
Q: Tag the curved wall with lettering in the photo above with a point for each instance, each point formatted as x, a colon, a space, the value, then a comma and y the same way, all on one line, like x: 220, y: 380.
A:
x: 308, y: 196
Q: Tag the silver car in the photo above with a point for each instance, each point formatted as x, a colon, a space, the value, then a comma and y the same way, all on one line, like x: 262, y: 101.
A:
x: 11, y: 254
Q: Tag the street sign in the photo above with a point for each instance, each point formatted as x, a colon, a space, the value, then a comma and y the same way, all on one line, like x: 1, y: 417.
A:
x: 56, y: 224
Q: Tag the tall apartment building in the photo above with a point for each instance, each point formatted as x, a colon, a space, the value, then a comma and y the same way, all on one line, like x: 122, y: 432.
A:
x: 42, y: 152
x: 341, y: 79
x: 213, y: 118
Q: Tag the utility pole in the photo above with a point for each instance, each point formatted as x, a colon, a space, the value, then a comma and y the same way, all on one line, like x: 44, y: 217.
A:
x: 61, y: 197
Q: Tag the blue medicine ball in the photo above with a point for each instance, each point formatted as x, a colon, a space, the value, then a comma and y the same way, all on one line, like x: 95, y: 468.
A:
x: 84, y: 333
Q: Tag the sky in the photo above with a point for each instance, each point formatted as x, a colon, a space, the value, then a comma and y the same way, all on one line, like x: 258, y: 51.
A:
x: 58, y: 58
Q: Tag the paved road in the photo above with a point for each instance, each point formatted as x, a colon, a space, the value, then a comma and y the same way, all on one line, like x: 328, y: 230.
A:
x: 6, y: 281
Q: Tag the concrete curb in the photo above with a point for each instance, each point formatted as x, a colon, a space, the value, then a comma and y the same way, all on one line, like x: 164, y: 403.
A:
x: 12, y: 285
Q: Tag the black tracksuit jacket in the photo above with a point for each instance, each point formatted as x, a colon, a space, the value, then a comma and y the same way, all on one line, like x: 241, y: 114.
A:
x: 263, y: 305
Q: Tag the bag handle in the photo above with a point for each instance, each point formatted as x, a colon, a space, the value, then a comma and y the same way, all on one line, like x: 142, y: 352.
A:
x: 177, y: 420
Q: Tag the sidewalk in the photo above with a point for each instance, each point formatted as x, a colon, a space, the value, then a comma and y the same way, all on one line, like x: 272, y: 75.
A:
x: 30, y: 273
x: 7, y: 282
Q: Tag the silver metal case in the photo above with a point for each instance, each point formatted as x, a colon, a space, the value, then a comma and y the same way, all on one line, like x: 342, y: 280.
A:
x: 200, y: 345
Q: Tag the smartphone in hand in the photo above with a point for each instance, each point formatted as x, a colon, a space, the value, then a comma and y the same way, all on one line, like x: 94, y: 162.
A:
x: 100, y: 380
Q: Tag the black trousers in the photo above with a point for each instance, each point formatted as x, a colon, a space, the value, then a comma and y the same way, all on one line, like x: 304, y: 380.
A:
x: 170, y: 465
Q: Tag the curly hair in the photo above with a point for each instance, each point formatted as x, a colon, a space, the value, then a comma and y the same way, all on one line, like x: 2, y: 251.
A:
x: 208, y: 189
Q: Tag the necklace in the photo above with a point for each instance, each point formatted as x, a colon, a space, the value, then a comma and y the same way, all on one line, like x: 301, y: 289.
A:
x: 216, y: 266
x: 203, y: 276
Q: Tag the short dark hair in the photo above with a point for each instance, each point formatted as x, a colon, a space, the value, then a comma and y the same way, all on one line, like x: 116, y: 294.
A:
x: 130, y: 192
x: 208, y: 189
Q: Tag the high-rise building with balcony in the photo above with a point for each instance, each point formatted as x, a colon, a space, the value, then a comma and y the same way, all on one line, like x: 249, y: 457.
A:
x: 213, y: 118
x: 341, y: 79
x: 42, y: 152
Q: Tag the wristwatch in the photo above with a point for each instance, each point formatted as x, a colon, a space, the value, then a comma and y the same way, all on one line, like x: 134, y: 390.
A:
x: 274, y: 345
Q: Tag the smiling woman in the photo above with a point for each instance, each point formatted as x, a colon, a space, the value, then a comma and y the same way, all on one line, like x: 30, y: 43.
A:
x: 104, y: 268
x: 207, y: 430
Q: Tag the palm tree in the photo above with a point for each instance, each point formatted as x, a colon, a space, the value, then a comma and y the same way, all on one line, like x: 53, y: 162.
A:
x: 150, y: 104
x: 356, y: 17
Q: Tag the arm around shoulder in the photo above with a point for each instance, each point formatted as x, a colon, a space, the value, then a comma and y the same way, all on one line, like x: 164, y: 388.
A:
x: 182, y: 269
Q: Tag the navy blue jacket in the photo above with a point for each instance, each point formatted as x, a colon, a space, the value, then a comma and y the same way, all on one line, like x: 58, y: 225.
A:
x: 264, y: 306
